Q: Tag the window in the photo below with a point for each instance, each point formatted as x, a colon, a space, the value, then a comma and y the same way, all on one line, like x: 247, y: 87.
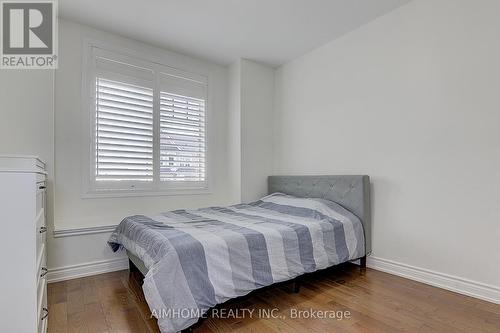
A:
x: 182, y: 138
x: 124, y: 132
x: 148, y: 126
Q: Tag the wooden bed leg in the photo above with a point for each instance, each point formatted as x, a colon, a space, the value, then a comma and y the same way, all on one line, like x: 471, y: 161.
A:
x: 362, y: 262
x: 187, y: 330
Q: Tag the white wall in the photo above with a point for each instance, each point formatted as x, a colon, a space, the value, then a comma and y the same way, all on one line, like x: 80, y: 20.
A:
x: 257, y: 98
x: 27, y: 117
x: 411, y: 99
x: 251, y: 98
x: 234, y: 129
x: 71, y: 211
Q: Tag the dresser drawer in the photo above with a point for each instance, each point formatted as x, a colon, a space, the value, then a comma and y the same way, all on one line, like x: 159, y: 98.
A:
x: 42, y: 326
x: 43, y: 311
x: 41, y: 291
x: 24, y: 214
x: 41, y: 236
x: 42, y: 264
x: 41, y: 197
x: 41, y: 284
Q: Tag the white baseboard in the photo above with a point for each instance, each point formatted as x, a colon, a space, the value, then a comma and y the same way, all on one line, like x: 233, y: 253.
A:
x: 453, y: 283
x: 87, y: 269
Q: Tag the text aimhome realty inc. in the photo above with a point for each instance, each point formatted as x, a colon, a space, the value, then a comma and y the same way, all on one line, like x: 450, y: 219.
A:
x: 270, y: 313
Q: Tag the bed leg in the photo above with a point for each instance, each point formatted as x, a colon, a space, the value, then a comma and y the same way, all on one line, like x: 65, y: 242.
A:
x: 296, y: 286
x: 187, y: 330
x: 132, y: 267
x: 134, y: 273
x: 362, y: 262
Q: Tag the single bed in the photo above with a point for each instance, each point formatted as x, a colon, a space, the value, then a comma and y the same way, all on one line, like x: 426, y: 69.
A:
x: 194, y: 260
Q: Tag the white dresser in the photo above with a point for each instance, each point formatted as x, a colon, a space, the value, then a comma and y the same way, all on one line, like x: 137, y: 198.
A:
x: 23, y: 284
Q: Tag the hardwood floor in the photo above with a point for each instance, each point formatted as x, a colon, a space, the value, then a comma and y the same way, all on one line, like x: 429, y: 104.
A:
x: 376, y: 301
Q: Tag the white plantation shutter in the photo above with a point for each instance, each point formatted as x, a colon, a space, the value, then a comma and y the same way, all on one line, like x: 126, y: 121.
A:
x: 182, y: 138
x: 148, y: 125
x: 124, y: 131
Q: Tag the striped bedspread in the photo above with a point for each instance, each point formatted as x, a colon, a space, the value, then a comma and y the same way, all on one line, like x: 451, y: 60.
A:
x: 199, y: 258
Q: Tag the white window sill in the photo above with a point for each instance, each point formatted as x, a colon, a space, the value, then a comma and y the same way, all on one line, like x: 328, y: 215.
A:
x: 94, y: 194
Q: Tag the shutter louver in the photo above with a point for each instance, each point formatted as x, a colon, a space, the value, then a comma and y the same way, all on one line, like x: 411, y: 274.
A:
x: 124, y: 131
x: 182, y: 138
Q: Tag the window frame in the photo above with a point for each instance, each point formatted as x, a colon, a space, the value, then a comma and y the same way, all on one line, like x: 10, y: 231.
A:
x: 90, y: 187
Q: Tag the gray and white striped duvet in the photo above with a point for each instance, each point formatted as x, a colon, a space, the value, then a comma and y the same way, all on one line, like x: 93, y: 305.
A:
x: 199, y: 258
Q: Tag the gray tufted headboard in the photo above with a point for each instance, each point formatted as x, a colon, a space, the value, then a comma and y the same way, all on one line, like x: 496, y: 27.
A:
x: 352, y: 192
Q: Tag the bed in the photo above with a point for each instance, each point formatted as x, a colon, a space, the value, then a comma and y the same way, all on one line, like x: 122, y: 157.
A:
x: 192, y: 260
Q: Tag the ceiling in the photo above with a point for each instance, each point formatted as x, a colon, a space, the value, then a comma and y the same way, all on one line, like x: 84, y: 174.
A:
x: 267, y: 31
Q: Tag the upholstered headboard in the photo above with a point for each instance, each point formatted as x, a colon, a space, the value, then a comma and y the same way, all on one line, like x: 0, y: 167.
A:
x: 352, y: 192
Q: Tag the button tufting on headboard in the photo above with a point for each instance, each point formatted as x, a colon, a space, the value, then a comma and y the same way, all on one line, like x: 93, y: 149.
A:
x: 352, y: 192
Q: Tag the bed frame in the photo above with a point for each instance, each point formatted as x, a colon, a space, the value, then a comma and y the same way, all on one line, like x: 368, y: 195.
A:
x: 352, y: 192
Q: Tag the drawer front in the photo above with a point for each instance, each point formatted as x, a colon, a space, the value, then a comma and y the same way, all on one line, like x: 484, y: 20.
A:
x: 41, y: 288
x: 41, y: 236
x: 42, y: 265
x: 41, y: 197
x: 42, y: 327
x: 43, y: 311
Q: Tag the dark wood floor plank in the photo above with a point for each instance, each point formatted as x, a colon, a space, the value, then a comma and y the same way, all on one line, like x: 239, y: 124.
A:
x: 57, y: 293
x: 376, y: 301
x: 95, y: 319
x: 432, y: 303
x: 76, y: 323
x: 74, y: 303
x: 58, y: 319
